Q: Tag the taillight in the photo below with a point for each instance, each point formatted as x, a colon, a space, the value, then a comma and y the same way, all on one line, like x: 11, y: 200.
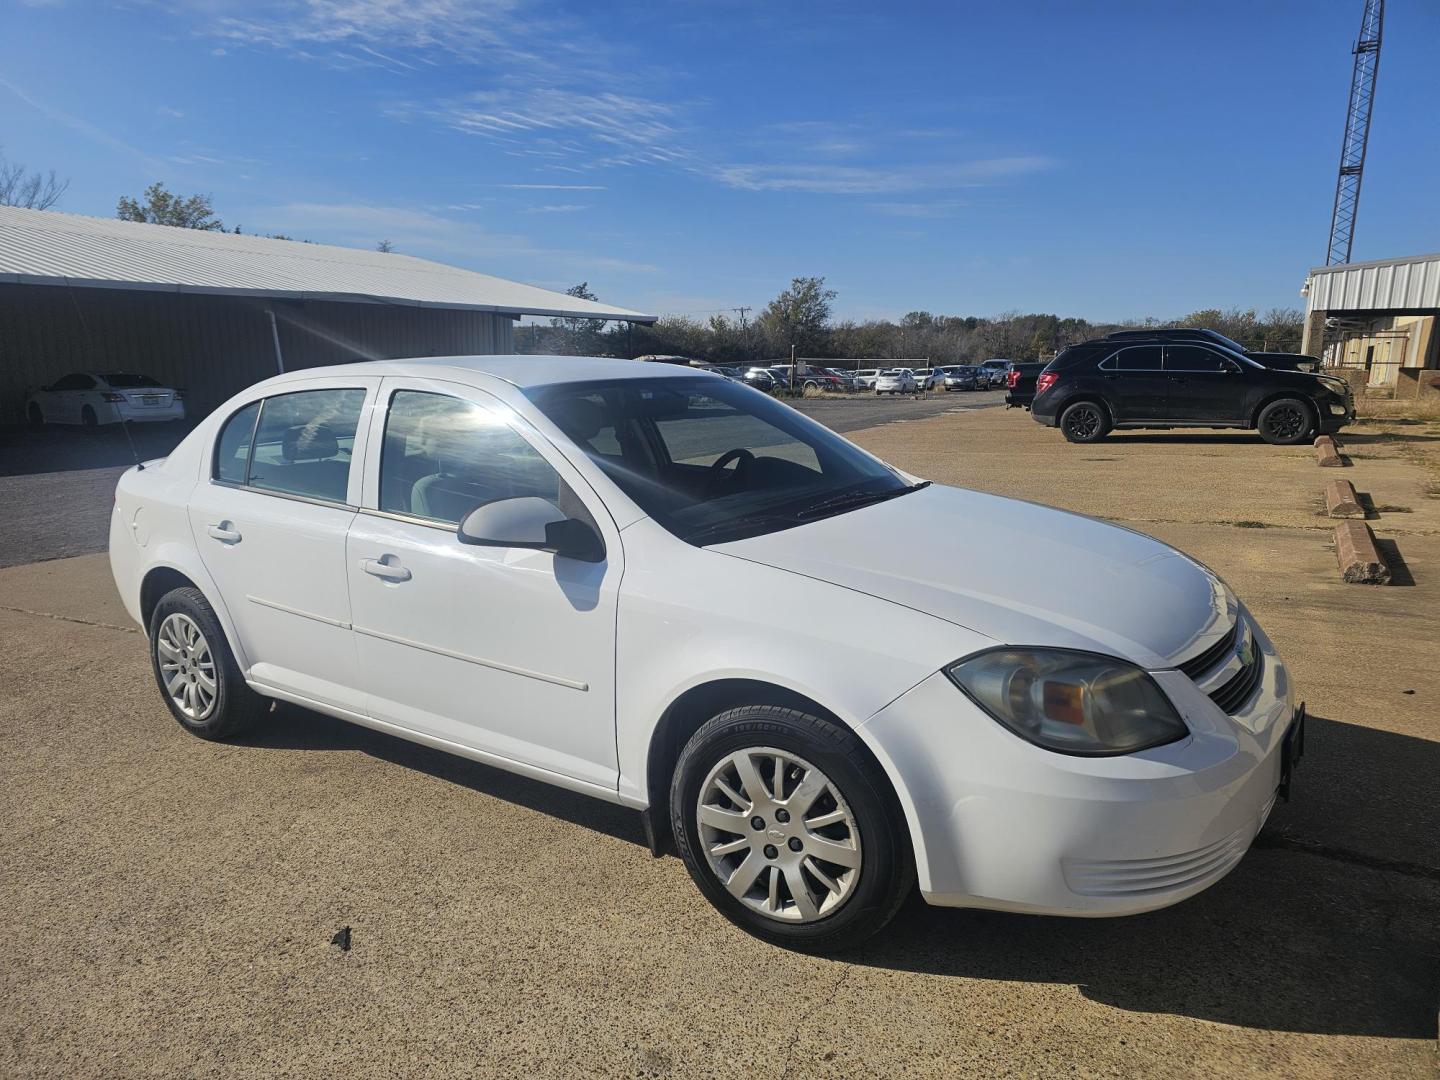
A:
x: 1044, y: 382
x: 1011, y: 378
x: 113, y: 397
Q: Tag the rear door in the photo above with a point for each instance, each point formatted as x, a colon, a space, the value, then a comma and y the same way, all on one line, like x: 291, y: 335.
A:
x: 269, y: 521
x: 507, y: 651
x: 1205, y: 385
x: 1137, y: 384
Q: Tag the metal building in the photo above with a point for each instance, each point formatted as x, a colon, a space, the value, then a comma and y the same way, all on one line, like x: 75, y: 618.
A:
x: 1381, y: 317
x: 214, y: 312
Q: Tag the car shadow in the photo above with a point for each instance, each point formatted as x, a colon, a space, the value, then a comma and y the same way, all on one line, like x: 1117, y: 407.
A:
x: 26, y: 451
x: 1327, y: 926
x: 290, y: 727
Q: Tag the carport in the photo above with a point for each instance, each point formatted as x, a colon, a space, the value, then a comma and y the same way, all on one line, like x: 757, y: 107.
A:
x: 213, y: 312
x: 1379, y: 318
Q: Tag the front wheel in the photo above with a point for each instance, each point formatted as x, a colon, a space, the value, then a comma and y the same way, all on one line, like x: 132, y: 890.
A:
x: 1084, y: 422
x: 1284, y: 422
x: 196, y: 671
x: 789, y: 828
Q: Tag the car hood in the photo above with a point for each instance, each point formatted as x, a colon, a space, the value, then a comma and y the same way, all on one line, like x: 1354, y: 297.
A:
x: 1017, y: 572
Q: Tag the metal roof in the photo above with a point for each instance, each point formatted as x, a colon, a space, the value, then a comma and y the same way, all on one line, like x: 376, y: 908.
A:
x: 41, y: 247
x: 1383, y: 285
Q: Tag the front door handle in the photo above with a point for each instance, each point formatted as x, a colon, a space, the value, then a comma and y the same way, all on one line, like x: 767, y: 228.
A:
x: 224, y: 533
x: 389, y: 571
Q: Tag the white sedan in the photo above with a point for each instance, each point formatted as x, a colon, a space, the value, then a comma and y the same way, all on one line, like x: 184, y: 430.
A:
x: 896, y: 381
x: 677, y: 594
x: 92, y: 399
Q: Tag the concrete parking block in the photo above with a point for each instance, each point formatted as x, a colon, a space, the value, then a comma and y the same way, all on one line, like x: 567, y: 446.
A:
x: 1360, y: 561
x: 1326, y: 452
x: 1341, y: 500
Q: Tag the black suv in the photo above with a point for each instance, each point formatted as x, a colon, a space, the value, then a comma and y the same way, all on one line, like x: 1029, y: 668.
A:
x: 1186, y: 378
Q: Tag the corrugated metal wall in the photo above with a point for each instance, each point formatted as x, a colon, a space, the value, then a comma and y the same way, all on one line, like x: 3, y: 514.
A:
x: 213, y: 346
x: 1384, y: 286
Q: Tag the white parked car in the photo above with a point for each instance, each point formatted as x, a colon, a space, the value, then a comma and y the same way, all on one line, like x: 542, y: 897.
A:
x: 896, y: 381
x: 91, y: 399
x: 865, y: 378
x: 677, y: 594
x: 929, y: 378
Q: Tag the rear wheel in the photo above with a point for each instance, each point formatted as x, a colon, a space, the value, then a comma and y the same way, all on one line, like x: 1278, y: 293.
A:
x: 789, y: 828
x: 196, y: 671
x: 87, y: 416
x: 1284, y: 422
x: 1084, y: 422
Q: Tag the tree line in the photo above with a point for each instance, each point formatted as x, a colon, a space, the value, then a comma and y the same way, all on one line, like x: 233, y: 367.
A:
x: 802, y: 316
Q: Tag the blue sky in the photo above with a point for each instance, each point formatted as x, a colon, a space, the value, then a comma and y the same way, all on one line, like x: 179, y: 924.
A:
x: 1108, y: 160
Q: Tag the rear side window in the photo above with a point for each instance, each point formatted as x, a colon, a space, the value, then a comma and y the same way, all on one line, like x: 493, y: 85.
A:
x: 1140, y: 358
x: 232, y: 449
x: 301, y: 444
x: 443, y: 457
x: 1193, y: 358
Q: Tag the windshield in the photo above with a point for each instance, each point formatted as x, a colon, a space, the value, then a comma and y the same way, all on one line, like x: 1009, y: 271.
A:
x: 716, y: 461
x: 122, y: 381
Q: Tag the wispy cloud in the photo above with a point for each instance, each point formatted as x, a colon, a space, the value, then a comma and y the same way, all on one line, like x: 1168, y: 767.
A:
x: 552, y: 187
x: 826, y: 179
x: 556, y: 208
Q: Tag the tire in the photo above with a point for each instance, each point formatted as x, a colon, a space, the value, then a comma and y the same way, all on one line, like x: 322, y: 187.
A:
x: 35, y: 417
x: 233, y: 707
x: 1285, y: 422
x: 1085, y: 422
x: 88, y: 417
x: 845, y: 902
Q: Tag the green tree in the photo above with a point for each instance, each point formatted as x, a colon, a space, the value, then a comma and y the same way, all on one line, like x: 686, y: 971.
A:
x: 162, y: 207
x: 799, y: 316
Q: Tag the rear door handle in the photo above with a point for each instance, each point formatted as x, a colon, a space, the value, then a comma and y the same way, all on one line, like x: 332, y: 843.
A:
x: 223, y: 534
x: 387, y: 570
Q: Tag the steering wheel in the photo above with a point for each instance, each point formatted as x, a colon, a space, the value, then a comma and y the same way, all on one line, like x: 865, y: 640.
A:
x: 740, y: 455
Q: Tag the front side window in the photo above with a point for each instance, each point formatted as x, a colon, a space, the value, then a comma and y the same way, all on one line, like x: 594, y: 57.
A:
x: 303, y: 443
x: 442, y: 457
x: 716, y: 461
x: 1194, y: 358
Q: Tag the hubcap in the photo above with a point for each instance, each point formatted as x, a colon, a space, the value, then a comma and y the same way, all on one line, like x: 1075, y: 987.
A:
x: 779, y: 835
x: 1285, y: 423
x: 186, y: 666
x: 1084, y: 422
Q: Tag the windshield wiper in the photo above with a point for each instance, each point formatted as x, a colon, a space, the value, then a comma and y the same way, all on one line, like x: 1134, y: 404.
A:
x: 852, y: 500
x: 749, y: 525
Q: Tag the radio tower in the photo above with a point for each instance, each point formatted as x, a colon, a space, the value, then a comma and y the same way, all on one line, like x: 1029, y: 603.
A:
x: 1357, y: 133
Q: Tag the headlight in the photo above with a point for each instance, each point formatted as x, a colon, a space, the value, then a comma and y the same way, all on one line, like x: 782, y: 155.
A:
x: 1073, y: 702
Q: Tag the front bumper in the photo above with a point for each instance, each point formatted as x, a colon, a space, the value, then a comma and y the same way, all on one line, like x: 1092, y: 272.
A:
x: 999, y: 823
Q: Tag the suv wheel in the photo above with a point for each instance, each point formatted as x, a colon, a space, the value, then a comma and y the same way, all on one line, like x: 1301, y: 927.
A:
x: 1084, y: 422
x: 789, y: 828
x: 1284, y: 422
x: 196, y: 671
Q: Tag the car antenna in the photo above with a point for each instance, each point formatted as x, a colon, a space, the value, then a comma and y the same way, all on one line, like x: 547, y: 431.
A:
x: 124, y: 421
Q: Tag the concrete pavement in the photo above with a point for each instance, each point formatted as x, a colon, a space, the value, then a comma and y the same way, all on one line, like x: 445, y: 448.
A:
x: 167, y: 905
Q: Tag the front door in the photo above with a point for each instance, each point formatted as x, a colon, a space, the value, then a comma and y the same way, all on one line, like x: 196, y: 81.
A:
x: 270, y: 521
x: 1205, y: 386
x: 506, y: 651
x: 1138, y: 388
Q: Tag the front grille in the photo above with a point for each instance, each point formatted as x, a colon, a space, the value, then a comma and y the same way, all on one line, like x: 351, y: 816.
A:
x: 1241, y: 686
x: 1212, y: 657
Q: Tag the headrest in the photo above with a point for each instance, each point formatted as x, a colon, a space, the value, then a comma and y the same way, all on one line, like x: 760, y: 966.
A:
x: 580, y: 418
x: 309, y: 442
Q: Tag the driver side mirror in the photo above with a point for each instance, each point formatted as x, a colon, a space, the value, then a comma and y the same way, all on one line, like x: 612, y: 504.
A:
x: 531, y: 522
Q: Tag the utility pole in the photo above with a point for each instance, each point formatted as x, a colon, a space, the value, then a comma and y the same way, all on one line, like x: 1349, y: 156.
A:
x: 1357, y: 133
x: 744, y: 333
x: 792, y: 368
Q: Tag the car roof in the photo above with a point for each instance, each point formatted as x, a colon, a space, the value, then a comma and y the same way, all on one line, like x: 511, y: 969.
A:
x: 522, y: 371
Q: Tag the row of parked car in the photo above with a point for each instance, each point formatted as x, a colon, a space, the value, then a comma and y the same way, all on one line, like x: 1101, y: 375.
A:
x: 896, y: 380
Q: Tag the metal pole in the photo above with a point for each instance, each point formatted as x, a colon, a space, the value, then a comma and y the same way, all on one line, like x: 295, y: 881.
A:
x: 275, y: 336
